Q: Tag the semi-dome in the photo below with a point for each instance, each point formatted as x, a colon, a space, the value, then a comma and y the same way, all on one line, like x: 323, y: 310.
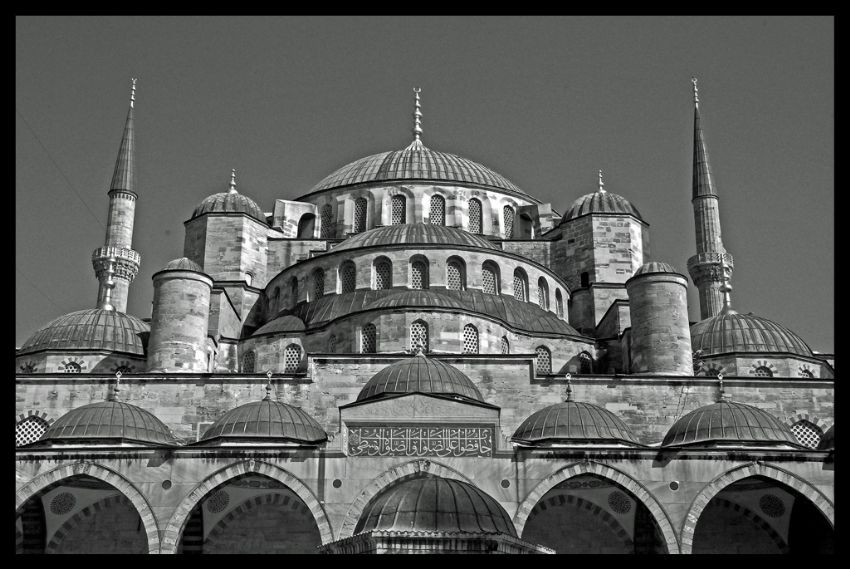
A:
x: 435, y: 504
x: 600, y: 202
x: 416, y: 162
x: 414, y: 233
x: 574, y: 422
x: 182, y: 264
x: 656, y: 267
x: 729, y: 422
x: 91, y: 329
x: 108, y: 421
x: 229, y: 202
x: 286, y: 323
x: 420, y: 374
x: 418, y: 298
x: 266, y: 421
x: 730, y: 331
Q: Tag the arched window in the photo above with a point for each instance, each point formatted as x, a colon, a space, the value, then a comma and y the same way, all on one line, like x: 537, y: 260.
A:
x: 359, y: 215
x: 490, y: 278
x: 318, y: 283
x: 559, y: 303
x: 455, y: 275
x: 543, y: 294
x: 585, y: 363
x: 520, y: 285
x: 332, y: 344
x: 293, y: 290
x: 419, y: 275
x: 383, y: 274
x: 506, y: 345
x: 248, y: 362
x: 509, y: 221
x: 585, y: 279
x: 306, y: 226
x: 367, y: 339
x: 805, y: 372
x: 419, y: 336
x: 327, y: 222
x: 470, y: 339
x: 544, y: 360
x: 474, y: 216
x: 399, y: 210
x: 73, y: 367
x: 291, y: 358
x: 29, y: 430
x: 763, y: 371
x: 348, y: 277
x: 438, y: 211
x: 808, y: 434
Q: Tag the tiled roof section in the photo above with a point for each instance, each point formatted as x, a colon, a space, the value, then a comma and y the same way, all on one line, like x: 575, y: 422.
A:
x: 229, y: 202
x: 656, y: 267
x: 574, y: 421
x: 703, y: 184
x: 728, y: 421
x: 827, y: 441
x: 435, y: 504
x: 522, y: 316
x: 268, y: 420
x: 600, y: 202
x: 420, y: 374
x: 183, y: 264
x: 731, y: 331
x: 416, y: 162
x: 91, y: 329
x: 112, y: 420
x: 123, y: 178
x: 414, y: 233
x: 288, y: 323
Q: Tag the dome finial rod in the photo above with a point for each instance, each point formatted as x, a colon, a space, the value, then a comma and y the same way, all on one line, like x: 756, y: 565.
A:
x: 722, y: 393
x: 569, y: 388
x: 601, y: 183
x: 417, y: 115
x: 117, y: 387
x: 268, y: 386
x: 232, y: 189
x: 696, y: 91
x: 726, y: 289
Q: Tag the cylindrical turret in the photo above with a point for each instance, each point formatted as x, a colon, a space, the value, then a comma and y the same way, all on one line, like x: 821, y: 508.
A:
x: 661, y: 336
x: 181, y: 311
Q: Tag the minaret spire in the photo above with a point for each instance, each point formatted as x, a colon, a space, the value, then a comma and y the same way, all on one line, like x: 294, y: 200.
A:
x: 417, y: 116
x: 124, y: 176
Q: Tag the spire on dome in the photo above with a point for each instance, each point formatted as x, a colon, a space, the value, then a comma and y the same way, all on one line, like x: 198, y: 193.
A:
x: 726, y: 289
x: 417, y: 117
x: 232, y: 189
x: 569, y: 388
x: 601, y: 183
x: 124, y: 176
x: 703, y: 183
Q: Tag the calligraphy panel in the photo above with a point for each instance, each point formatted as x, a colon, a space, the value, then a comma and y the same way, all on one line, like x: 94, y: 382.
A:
x: 442, y: 441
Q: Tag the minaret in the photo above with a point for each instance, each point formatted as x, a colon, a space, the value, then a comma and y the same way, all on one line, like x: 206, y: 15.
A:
x: 116, y: 263
x: 712, y: 265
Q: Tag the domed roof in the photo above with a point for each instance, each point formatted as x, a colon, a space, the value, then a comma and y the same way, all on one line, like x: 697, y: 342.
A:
x: 113, y: 420
x: 730, y: 331
x: 656, y: 267
x: 287, y: 323
x: 423, y: 375
x: 600, y: 202
x: 729, y: 422
x: 416, y: 162
x: 267, y: 421
x: 827, y: 441
x: 574, y: 421
x: 182, y: 264
x: 91, y: 329
x: 414, y: 233
x: 434, y: 504
x: 229, y: 202
x: 416, y: 298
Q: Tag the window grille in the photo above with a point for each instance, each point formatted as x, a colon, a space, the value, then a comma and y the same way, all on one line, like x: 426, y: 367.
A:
x: 348, y: 277
x: 29, y: 430
x: 803, y: 372
x: 489, y: 282
x: 291, y: 358
x: 559, y: 304
x: 474, y: 216
x: 367, y: 339
x: 327, y: 222
x: 454, y: 276
x: 419, y: 336
x: 470, y: 339
x: 383, y: 275
x: 808, y: 434
x: 438, y: 211
x: 359, y: 215
x: 506, y: 345
x: 544, y: 360
x: 509, y: 222
x: 248, y: 363
x: 520, y: 286
x: 319, y: 283
x: 418, y: 275
x: 585, y: 363
x: 763, y: 371
x: 332, y: 344
x: 543, y: 294
x: 399, y: 206
x: 73, y: 367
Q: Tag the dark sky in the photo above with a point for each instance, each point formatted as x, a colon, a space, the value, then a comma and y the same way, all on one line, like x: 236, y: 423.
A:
x: 545, y: 102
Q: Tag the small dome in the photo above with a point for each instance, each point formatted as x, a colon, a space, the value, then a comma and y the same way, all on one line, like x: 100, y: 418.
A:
x: 287, y: 323
x: 420, y: 374
x: 417, y: 298
x: 574, y: 422
x: 91, y: 329
x: 114, y: 421
x: 601, y: 202
x: 267, y: 421
x: 827, y: 441
x: 414, y: 233
x: 229, y: 202
x: 729, y: 422
x: 182, y: 264
x: 656, y: 267
x: 435, y: 504
x: 730, y: 331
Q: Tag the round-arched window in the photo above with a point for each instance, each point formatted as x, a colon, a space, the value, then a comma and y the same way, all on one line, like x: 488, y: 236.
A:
x: 347, y: 277
x: 474, y: 216
x: 543, y: 294
x: 367, y: 339
x: 327, y: 220
x: 418, y: 275
x: 520, y: 285
x: 248, y: 362
x: 559, y: 304
x: 807, y: 433
x: 470, y: 339
x: 383, y: 274
x: 509, y: 221
x: 585, y: 363
x: 419, y: 336
x: 399, y: 210
x: 291, y: 358
x: 319, y: 283
x: 763, y: 371
x: 544, y: 360
x: 455, y: 275
x: 506, y: 345
x: 490, y: 278
x: 437, y: 216
x: 359, y: 215
x: 73, y: 367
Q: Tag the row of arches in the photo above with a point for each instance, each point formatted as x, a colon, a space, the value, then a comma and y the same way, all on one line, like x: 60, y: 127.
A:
x: 585, y: 507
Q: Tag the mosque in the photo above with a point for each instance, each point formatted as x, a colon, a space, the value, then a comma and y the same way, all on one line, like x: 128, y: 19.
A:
x: 418, y: 356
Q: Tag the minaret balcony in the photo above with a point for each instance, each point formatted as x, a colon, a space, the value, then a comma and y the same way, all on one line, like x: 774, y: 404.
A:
x: 126, y: 261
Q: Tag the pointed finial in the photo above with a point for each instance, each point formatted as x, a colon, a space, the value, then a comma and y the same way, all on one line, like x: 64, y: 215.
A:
x: 569, y: 388
x: 601, y: 183
x: 268, y: 387
x: 696, y: 91
x: 133, y: 93
x: 232, y: 189
x: 417, y: 115
x: 726, y: 289
x: 722, y: 395
x: 117, y: 387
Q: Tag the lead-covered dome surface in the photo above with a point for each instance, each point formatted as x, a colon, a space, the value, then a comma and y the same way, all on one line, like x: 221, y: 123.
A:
x: 229, y: 202
x: 729, y: 422
x: 111, y: 420
x: 653, y: 267
x: 182, y: 264
x: 730, y: 331
x: 576, y: 422
x: 420, y: 374
x: 91, y: 329
x: 601, y: 202
x: 416, y: 162
x: 435, y: 504
x: 267, y: 421
x: 414, y: 233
